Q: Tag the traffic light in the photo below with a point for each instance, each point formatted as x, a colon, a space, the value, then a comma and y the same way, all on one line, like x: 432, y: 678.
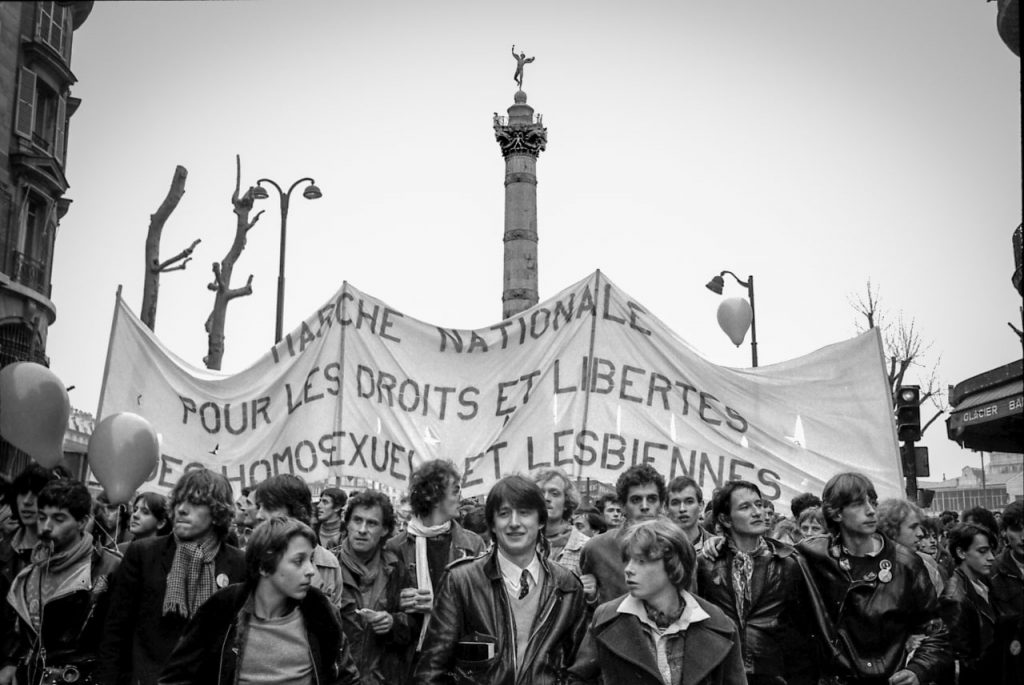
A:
x: 908, y: 413
x: 918, y: 458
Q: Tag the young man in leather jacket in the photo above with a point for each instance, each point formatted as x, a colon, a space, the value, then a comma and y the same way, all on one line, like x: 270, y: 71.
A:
x: 510, y: 617
x: 875, y: 594
x: 59, y: 600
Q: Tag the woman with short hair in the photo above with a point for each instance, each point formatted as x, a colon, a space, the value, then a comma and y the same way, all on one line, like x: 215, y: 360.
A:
x: 274, y: 627
x: 658, y: 633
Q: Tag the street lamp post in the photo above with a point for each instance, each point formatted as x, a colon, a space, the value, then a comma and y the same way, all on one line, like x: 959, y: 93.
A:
x: 312, y: 192
x: 716, y: 285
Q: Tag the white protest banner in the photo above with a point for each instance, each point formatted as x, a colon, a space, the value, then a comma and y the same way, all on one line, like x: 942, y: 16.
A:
x: 588, y: 380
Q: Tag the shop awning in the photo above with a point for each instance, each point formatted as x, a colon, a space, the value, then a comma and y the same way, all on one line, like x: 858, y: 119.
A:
x: 988, y: 411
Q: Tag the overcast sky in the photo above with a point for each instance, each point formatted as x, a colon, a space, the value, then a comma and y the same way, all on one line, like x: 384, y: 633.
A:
x: 813, y: 144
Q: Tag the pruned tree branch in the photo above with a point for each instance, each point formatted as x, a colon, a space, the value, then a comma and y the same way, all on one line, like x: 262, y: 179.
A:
x: 185, y: 256
x: 221, y: 285
x: 154, y: 267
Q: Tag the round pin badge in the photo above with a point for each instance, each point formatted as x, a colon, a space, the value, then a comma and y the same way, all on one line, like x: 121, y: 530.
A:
x: 885, y: 576
x: 1015, y: 647
x: 222, y: 580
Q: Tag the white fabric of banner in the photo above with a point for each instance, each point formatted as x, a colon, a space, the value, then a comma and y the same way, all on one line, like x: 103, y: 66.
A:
x: 588, y: 380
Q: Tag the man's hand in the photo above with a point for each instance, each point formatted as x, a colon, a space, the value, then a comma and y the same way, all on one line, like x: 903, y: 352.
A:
x: 413, y: 600
x: 589, y: 581
x: 712, y: 546
x: 378, y: 621
x: 7, y: 675
x: 904, y: 677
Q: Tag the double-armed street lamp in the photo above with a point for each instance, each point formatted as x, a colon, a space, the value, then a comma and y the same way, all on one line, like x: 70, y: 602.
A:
x: 312, y: 192
x: 716, y: 285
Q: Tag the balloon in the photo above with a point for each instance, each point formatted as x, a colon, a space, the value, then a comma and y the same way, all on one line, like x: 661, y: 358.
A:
x: 34, y: 411
x: 123, y: 451
x: 734, y: 316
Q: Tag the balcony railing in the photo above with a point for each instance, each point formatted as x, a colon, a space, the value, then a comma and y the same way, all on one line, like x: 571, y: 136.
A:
x: 31, y: 273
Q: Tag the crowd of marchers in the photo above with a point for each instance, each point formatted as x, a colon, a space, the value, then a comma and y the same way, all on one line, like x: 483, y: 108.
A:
x: 649, y: 585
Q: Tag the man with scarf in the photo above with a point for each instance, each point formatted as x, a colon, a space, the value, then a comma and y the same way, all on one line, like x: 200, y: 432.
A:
x: 377, y: 629
x: 58, y: 602
x: 163, y: 581
x: 757, y: 582
x: 432, y: 540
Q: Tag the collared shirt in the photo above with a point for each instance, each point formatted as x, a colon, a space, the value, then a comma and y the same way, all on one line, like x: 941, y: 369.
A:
x: 512, y: 573
x: 692, y: 613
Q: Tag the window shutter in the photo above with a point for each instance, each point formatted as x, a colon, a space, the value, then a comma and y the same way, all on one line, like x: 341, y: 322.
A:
x: 58, y: 140
x: 26, y: 103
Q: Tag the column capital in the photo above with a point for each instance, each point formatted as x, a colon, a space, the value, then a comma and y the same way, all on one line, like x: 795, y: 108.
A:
x: 530, y: 139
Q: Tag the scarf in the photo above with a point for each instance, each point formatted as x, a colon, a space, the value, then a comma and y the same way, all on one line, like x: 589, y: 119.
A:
x: 330, y: 533
x: 49, y: 570
x: 660, y: 618
x: 191, y: 580
x: 557, y: 541
x: 742, y: 570
x: 369, y: 575
x: 421, y: 532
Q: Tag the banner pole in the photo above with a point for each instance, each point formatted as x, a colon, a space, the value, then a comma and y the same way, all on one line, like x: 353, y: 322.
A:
x: 587, y: 366
x: 110, y: 345
x: 341, y: 374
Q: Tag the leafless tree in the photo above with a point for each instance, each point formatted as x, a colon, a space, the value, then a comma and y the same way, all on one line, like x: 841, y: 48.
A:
x: 221, y: 285
x: 154, y: 267
x: 906, y: 351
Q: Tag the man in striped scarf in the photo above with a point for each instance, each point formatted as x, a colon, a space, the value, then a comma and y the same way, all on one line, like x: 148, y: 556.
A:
x: 163, y: 581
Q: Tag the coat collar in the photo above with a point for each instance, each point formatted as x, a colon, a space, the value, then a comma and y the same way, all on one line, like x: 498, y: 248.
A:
x: 708, y: 642
x: 983, y: 606
x: 561, y: 581
x: 1005, y: 564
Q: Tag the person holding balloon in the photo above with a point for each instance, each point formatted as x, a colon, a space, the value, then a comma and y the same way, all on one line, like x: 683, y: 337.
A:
x: 59, y: 601
x: 163, y: 581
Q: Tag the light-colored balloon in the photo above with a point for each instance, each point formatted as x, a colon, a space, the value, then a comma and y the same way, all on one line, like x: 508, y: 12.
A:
x: 734, y: 316
x: 34, y: 411
x: 123, y: 451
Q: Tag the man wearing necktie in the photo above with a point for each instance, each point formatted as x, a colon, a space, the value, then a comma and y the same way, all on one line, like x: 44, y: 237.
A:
x: 511, y: 616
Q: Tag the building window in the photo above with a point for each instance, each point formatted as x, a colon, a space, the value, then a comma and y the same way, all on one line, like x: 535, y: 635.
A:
x: 51, y: 27
x: 32, y: 256
x: 44, y: 127
x: 41, y: 115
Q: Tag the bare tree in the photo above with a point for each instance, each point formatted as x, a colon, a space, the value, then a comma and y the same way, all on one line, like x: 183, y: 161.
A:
x: 154, y: 267
x: 222, y: 270
x: 905, y: 351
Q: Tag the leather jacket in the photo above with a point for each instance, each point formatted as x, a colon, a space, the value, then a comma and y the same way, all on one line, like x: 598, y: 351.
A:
x: 472, y: 605
x: 971, y: 622
x: 1007, y: 598
x: 773, y: 629
x: 72, y: 619
x: 213, y: 645
x: 866, y: 620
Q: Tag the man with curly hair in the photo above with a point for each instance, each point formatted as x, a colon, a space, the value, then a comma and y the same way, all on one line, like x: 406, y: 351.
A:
x: 432, y: 539
x: 163, y: 581
x: 564, y: 542
x: 641, y: 489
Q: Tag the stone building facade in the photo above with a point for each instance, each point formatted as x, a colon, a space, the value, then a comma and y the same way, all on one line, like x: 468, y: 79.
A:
x: 35, y: 107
